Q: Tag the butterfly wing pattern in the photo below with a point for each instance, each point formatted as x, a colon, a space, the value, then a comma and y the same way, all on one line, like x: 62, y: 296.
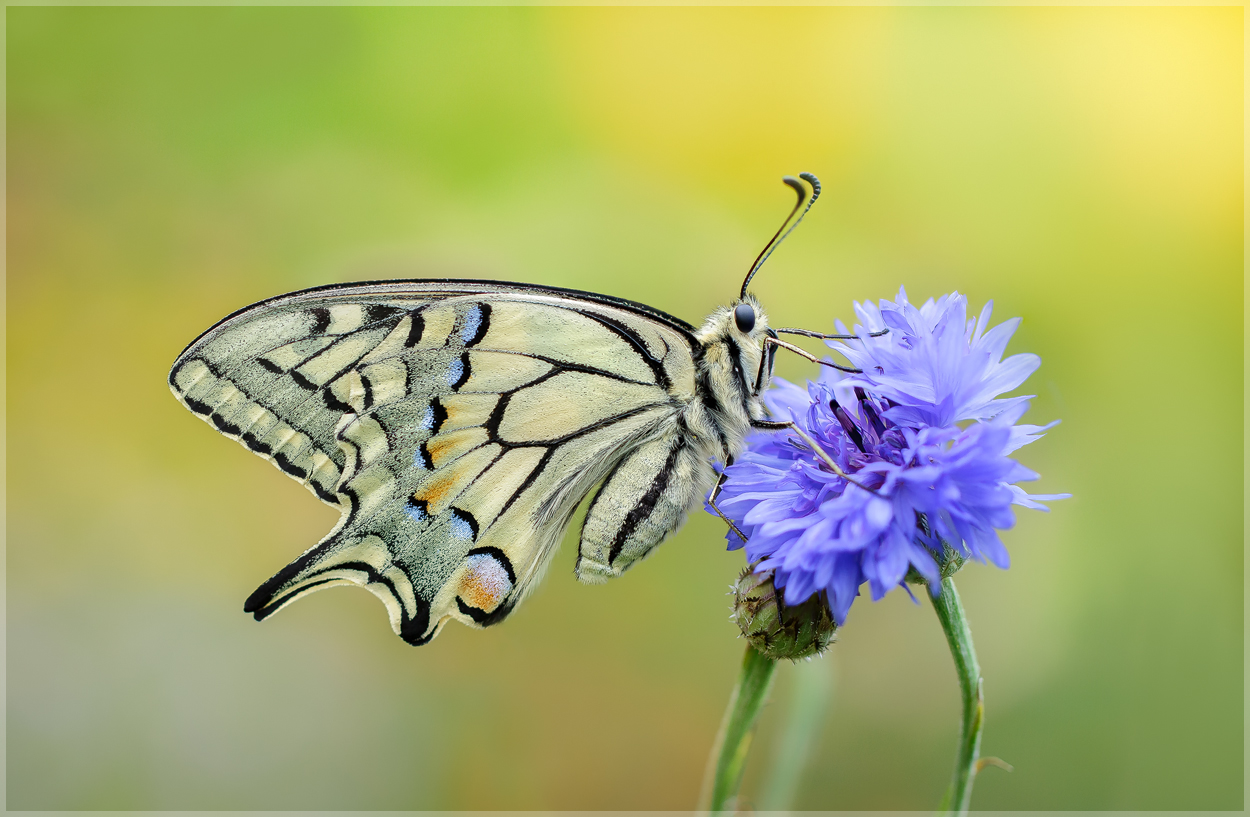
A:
x: 457, y: 425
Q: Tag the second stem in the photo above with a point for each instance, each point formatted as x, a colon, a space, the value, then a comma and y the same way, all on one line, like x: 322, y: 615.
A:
x: 737, y: 729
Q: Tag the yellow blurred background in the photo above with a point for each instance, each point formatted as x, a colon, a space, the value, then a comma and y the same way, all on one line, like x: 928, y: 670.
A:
x: 1082, y: 167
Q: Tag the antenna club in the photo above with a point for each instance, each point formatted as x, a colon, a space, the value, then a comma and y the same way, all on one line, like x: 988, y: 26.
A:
x: 797, y: 186
x: 811, y: 179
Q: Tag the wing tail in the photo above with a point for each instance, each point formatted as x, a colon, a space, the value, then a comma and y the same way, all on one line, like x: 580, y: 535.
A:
x: 360, y: 561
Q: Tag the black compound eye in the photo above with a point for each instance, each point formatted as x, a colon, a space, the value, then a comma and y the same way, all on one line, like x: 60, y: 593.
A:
x: 744, y: 316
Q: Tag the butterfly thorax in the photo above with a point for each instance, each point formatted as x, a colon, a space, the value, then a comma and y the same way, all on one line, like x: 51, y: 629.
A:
x: 729, y: 377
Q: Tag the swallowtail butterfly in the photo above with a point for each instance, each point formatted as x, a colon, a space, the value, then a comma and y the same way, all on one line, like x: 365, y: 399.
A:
x: 458, y: 424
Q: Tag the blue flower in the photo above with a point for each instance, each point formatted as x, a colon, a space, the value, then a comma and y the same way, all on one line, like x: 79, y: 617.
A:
x: 938, y: 366
x: 920, y: 490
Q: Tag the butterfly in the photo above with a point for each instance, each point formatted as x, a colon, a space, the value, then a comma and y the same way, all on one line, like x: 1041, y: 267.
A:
x: 457, y: 425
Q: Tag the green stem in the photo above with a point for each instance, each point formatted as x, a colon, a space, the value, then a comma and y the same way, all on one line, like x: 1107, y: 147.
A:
x: 811, y: 694
x: 951, y: 613
x: 720, y: 785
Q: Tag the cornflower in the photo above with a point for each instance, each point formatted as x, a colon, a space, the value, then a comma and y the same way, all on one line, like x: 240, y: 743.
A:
x: 918, y: 492
x: 913, y: 477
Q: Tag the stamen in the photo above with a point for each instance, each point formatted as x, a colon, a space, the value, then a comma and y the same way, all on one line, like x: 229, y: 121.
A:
x: 870, y: 411
x: 847, y: 424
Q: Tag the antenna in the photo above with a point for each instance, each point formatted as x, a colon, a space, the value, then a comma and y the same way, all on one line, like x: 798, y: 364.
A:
x: 782, y: 232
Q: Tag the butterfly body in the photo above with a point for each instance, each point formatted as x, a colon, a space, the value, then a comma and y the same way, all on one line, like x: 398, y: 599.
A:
x: 457, y: 426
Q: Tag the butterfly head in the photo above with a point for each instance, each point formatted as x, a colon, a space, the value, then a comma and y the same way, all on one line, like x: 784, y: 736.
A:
x: 743, y: 321
x: 734, y: 341
x: 751, y: 325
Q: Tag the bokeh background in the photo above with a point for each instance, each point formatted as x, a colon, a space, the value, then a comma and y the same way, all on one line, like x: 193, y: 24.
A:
x: 1082, y: 167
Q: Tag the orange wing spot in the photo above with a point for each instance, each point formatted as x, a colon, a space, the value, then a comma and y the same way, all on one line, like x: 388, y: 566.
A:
x: 443, y: 448
x: 485, y: 582
x: 447, y: 483
x: 437, y: 490
x: 437, y: 448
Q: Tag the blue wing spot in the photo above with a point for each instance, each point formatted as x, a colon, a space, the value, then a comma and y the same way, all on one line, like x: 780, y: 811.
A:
x: 463, y: 525
x: 427, y: 419
x: 416, y: 510
x: 472, y: 323
x: 458, y: 372
x: 460, y: 529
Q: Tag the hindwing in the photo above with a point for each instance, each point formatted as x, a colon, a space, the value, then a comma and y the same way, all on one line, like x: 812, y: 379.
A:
x: 456, y: 425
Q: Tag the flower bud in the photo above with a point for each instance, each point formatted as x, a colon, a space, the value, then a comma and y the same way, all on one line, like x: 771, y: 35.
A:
x: 775, y: 630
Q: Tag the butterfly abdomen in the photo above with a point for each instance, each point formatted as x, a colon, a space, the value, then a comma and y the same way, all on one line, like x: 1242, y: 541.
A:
x: 645, y: 497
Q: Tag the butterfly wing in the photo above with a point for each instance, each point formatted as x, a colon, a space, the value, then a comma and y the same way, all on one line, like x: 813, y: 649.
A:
x: 456, y: 425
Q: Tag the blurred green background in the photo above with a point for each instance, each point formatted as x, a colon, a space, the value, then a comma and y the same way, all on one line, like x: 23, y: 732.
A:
x: 1082, y: 167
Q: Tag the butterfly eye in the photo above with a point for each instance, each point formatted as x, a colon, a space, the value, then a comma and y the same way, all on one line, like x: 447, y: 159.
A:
x: 744, y: 316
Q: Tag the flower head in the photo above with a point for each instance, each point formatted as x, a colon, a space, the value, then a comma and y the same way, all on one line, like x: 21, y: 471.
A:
x: 937, y: 366
x: 916, y: 492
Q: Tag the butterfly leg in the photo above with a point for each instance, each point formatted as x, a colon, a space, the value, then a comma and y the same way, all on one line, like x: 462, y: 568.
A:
x: 766, y: 364
x: 711, y: 501
x: 777, y: 425
x: 643, y: 500
x: 771, y: 344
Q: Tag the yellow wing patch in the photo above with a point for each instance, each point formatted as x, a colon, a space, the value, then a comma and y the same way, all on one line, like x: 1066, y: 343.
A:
x: 569, y: 402
x: 563, y: 334
x: 502, y: 371
x: 465, y: 410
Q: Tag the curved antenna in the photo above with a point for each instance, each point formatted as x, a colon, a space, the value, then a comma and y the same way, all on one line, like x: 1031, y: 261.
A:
x: 780, y: 236
x: 798, y: 188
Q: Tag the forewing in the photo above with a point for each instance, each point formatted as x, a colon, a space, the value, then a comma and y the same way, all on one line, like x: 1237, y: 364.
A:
x: 456, y: 424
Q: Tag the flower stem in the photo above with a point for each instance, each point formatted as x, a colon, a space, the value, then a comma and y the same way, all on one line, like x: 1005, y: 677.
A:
x: 951, y: 614
x: 720, y: 785
x: 811, y: 695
